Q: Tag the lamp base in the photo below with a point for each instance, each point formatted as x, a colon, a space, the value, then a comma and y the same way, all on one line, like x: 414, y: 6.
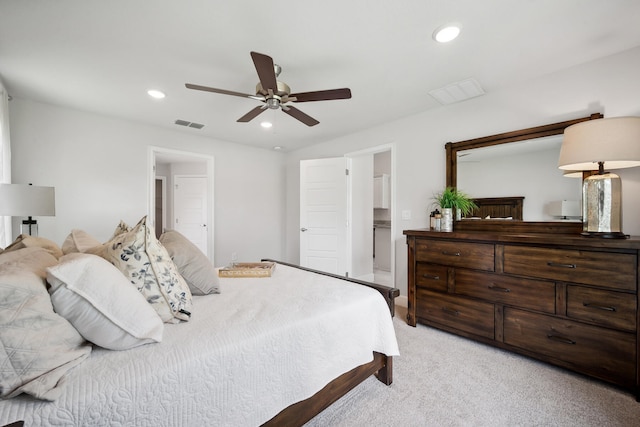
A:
x: 605, y: 235
x: 602, y: 205
x: 30, y: 227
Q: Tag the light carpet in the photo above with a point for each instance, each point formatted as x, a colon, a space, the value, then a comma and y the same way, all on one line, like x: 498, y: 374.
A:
x: 441, y: 379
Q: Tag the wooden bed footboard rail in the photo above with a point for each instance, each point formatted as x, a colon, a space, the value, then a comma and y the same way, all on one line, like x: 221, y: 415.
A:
x: 389, y: 293
x: 299, y: 413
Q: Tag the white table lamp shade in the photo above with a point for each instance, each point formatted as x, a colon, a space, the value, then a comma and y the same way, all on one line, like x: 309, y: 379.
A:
x: 614, y: 141
x: 602, y: 144
x: 27, y: 200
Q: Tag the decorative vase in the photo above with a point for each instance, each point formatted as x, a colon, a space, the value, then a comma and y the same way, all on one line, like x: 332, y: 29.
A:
x: 458, y: 214
x: 447, y: 219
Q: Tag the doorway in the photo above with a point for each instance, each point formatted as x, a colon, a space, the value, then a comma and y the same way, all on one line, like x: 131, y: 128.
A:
x: 374, y: 215
x: 169, y: 164
x: 355, y: 190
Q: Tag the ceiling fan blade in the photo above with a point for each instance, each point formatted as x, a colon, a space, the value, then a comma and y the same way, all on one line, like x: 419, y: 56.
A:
x: 266, y: 71
x: 252, y: 114
x: 297, y: 114
x: 322, y: 95
x: 223, y: 91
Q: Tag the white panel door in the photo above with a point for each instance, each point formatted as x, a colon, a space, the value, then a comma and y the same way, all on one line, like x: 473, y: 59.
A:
x: 323, y: 215
x: 190, y: 209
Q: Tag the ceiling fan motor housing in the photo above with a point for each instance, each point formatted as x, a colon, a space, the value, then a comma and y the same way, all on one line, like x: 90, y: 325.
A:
x: 283, y: 91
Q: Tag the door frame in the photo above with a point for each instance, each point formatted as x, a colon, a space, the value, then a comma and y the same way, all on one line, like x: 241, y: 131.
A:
x: 182, y: 156
x: 373, y: 150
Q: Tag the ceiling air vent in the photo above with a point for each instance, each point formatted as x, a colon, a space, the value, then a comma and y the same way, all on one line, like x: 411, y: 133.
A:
x: 458, y: 91
x: 189, y: 124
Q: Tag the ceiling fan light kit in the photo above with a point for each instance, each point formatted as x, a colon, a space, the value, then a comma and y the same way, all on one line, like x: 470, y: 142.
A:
x: 275, y: 94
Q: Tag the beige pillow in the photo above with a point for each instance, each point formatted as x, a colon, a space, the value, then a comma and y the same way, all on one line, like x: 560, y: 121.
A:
x: 101, y: 304
x: 27, y: 241
x: 193, y: 265
x: 122, y: 227
x: 37, y: 346
x: 146, y: 263
x: 79, y: 241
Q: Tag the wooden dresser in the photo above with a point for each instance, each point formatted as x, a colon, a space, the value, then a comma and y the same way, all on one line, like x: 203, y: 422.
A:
x: 565, y: 299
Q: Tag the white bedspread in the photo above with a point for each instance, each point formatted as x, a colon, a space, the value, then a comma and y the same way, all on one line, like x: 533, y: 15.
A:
x: 247, y: 353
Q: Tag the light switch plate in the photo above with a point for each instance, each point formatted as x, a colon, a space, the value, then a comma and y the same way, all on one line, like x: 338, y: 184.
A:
x: 406, y: 214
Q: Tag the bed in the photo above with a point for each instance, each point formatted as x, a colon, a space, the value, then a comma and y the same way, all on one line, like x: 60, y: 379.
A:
x: 263, y: 351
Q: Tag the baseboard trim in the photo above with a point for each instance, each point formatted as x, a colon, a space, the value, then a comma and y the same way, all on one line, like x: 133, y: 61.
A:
x: 402, y: 301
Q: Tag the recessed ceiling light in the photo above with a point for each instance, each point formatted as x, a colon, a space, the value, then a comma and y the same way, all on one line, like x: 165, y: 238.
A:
x: 156, y: 94
x: 446, y: 33
x: 277, y: 148
x: 266, y: 125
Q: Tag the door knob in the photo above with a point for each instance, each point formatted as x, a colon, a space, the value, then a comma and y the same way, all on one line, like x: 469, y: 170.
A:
x: 303, y: 229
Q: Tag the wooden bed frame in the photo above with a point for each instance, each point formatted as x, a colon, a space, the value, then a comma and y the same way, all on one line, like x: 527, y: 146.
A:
x: 381, y: 366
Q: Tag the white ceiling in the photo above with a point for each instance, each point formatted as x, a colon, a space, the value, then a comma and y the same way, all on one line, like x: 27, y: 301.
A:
x: 102, y: 56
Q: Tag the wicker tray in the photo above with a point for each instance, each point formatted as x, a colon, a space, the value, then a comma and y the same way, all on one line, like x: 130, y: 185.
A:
x: 248, y: 269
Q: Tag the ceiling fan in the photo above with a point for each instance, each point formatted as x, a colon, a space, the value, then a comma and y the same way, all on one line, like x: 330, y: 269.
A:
x: 275, y: 94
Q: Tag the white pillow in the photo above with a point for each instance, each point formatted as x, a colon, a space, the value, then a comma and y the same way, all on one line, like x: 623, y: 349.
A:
x: 99, y: 301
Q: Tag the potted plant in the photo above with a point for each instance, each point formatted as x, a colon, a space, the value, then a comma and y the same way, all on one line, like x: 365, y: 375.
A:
x: 453, y: 200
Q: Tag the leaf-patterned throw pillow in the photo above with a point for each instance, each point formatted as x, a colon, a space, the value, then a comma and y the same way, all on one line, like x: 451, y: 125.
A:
x: 145, y: 262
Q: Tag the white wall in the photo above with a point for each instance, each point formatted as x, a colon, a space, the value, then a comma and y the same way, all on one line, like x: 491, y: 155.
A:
x: 610, y: 86
x: 98, y: 166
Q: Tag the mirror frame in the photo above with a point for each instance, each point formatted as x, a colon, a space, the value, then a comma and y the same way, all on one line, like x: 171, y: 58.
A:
x: 452, y: 149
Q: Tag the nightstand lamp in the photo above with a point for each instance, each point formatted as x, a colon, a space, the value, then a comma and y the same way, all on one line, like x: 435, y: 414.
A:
x: 613, y: 143
x: 27, y: 200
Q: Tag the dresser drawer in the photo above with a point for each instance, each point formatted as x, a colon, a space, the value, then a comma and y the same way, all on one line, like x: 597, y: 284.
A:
x: 431, y: 276
x: 607, y: 308
x: 604, y: 353
x: 537, y: 295
x: 604, y: 269
x: 457, y: 312
x: 479, y: 256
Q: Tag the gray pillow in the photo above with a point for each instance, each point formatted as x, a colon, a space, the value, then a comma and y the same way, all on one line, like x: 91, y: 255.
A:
x: 193, y: 265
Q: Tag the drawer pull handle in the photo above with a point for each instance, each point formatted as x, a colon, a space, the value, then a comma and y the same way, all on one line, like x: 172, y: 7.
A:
x: 431, y: 276
x: 599, y: 307
x: 498, y: 288
x: 451, y: 253
x: 557, y: 264
x: 560, y: 338
x: 451, y: 311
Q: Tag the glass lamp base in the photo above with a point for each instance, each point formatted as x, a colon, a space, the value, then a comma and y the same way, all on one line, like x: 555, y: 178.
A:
x: 30, y: 227
x: 602, y: 206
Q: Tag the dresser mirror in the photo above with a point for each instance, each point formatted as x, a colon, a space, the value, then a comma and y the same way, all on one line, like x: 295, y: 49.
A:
x: 499, y: 152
